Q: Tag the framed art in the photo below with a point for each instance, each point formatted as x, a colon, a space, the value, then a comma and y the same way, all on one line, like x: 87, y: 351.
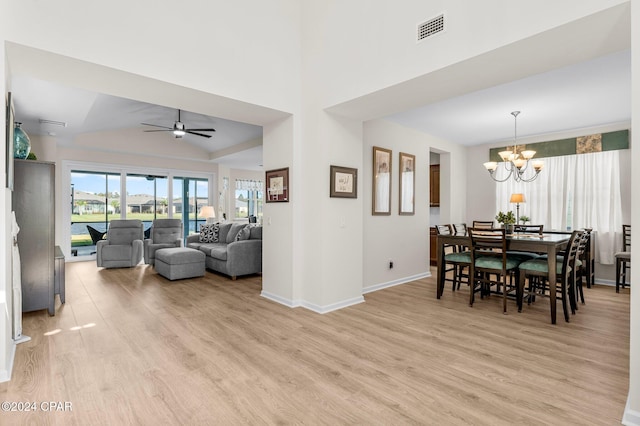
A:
x: 277, y: 185
x: 9, y: 143
x: 407, y: 180
x: 381, y: 181
x: 343, y: 182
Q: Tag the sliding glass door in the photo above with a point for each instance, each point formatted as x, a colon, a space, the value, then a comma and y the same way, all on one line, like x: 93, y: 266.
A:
x: 99, y: 196
x: 95, y: 201
x: 189, y: 196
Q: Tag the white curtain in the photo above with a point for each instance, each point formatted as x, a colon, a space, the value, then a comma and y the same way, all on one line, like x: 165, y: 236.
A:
x: 573, y: 192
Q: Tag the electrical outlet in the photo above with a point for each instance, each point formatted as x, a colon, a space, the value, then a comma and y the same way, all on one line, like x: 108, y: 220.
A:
x: 391, y: 264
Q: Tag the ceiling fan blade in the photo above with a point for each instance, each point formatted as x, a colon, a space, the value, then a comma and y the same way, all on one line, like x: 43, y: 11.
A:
x: 155, y: 125
x: 199, y: 134
x: 163, y: 130
x: 202, y: 130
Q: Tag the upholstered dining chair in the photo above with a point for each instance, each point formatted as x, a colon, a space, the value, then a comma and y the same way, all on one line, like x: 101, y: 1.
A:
x: 623, y: 258
x: 537, y: 271
x: 164, y: 233
x: 123, y: 246
x: 459, y: 228
x: 489, y: 259
x: 456, y: 257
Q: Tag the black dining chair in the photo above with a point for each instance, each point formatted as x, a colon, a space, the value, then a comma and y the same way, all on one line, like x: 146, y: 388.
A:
x: 456, y: 257
x: 491, y: 265
x: 623, y: 258
x: 537, y: 272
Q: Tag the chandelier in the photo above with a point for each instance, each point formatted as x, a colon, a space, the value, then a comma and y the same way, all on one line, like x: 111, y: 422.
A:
x: 515, y: 162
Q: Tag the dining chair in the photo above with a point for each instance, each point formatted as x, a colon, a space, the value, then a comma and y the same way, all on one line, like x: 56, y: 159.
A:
x: 483, y: 224
x: 529, y: 229
x: 582, y: 263
x: 459, y: 228
x: 457, y: 257
x: 623, y: 258
x: 537, y: 272
x: 491, y: 265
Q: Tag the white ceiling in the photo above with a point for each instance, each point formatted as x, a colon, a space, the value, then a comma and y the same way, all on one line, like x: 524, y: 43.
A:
x: 87, y: 112
x: 589, y: 94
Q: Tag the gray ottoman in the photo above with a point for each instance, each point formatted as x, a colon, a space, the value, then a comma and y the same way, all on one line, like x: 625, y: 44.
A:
x: 179, y: 262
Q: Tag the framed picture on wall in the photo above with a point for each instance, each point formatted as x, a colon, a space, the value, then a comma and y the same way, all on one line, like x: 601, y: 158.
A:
x: 9, y: 143
x: 343, y: 182
x: 407, y: 179
x: 381, y: 181
x: 277, y: 183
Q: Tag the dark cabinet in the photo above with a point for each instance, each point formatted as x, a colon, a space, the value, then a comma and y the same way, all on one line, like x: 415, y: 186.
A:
x: 434, y: 185
x: 33, y: 203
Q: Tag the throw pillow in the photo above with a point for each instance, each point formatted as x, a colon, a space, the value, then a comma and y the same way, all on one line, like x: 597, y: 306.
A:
x: 209, y: 233
x: 243, y: 234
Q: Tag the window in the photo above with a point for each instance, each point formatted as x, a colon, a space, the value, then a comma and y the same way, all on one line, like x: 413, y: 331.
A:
x: 248, y: 199
x: 574, y: 192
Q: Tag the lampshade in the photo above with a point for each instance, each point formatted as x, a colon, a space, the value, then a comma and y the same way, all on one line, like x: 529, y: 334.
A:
x: 207, y: 212
x: 517, y: 198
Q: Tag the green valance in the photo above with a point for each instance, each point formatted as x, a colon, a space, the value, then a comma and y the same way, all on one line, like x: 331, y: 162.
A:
x: 599, y: 142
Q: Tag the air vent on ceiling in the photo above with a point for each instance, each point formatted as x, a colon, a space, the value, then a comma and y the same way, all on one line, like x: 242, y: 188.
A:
x: 52, y: 122
x: 431, y: 27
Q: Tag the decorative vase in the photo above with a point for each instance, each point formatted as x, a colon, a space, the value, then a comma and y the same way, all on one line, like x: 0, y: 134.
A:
x: 509, y: 228
x: 21, y: 143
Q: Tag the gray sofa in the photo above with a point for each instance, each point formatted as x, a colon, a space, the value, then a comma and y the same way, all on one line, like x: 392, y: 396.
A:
x: 229, y: 256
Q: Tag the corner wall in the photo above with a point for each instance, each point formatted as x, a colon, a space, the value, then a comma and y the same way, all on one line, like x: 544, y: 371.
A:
x: 404, y: 239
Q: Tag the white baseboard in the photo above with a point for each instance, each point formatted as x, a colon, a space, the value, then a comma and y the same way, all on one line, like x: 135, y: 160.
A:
x: 5, y: 375
x: 610, y: 283
x: 311, y: 306
x: 630, y: 417
x: 332, y: 307
x: 281, y: 300
x: 393, y: 283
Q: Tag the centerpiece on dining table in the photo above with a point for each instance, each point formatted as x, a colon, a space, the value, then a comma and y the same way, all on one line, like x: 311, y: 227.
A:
x: 507, y: 220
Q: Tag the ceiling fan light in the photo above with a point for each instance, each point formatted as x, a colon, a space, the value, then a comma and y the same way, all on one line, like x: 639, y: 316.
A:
x: 179, y: 132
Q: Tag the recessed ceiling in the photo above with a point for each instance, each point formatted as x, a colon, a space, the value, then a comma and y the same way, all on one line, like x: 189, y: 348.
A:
x: 89, y: 112
x: 588, y: 94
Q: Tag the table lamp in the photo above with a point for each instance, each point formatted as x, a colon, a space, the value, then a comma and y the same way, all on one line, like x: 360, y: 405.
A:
x: 208, y: 212
x: 517, y: 199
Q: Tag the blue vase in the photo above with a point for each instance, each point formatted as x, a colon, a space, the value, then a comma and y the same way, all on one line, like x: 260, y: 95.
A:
x: 21, y: 143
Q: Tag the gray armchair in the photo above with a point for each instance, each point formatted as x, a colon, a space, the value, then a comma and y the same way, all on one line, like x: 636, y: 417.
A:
x: 165, y: 233
x: 123, y: 246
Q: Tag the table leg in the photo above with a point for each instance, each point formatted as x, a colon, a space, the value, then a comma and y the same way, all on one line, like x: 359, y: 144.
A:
x: 551, y: 262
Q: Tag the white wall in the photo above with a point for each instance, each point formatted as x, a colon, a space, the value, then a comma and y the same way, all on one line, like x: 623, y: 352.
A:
x: 247, y: 51
x: 632, y: 412
x: 401, y: 239
x: 7, y: 346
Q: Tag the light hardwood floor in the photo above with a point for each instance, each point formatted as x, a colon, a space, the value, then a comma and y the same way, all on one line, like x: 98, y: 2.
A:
x: 130, y: 347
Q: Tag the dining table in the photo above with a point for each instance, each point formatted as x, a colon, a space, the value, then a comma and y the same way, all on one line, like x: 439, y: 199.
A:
x: 549, y: 244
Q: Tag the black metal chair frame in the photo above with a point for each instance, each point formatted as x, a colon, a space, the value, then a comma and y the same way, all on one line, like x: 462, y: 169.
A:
x: 95, y: 235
